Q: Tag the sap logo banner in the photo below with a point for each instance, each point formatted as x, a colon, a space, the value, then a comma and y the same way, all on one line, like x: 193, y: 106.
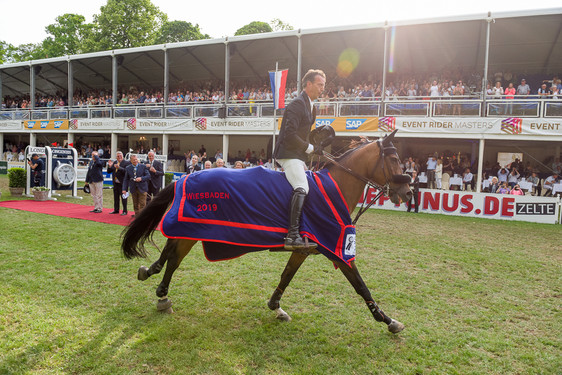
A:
x: 30, y: 124
x: 58, y: 124
x: 324, y: 121
x: 354, y: 123
x: 44, y: 124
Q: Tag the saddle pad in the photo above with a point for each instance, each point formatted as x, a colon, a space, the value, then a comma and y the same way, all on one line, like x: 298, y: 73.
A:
x: 250, y: 208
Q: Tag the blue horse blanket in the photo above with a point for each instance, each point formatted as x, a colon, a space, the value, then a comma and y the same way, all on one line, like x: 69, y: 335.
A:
x: 240, y: 211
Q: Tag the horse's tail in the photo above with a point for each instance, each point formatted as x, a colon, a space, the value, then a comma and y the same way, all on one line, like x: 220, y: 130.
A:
x: 141, y: 229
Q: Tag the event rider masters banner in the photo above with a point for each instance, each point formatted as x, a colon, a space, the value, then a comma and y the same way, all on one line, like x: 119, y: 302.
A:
x: 46, y: 125
x: 445, y: 125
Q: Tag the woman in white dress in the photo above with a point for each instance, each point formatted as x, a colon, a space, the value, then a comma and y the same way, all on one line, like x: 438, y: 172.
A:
x: 439, y: 173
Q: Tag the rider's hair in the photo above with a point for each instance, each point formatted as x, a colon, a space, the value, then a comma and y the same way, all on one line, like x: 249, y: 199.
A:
x: 310, y: 76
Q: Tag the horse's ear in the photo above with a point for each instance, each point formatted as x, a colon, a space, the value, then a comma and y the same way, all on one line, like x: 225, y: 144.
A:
x: 387, y: 139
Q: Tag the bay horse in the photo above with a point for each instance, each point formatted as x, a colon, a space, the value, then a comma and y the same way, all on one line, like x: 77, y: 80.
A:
x: 367, y: 162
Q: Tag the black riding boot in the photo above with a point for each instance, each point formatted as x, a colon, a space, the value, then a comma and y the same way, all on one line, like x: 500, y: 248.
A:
x: 294, y: 241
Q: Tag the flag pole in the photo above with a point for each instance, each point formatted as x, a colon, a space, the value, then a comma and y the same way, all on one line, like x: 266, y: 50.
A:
x: 274, y: 122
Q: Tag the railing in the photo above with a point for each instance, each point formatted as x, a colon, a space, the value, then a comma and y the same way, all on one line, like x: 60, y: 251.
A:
x: 436, y: 107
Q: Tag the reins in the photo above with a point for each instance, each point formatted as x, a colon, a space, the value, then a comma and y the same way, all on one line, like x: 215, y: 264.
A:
x: 382, y: 189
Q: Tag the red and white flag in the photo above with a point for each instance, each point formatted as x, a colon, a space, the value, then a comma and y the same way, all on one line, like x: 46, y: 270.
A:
x: 278, y: 80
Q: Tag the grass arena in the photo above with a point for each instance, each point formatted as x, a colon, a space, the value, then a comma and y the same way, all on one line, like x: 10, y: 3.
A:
x: 477, y: 296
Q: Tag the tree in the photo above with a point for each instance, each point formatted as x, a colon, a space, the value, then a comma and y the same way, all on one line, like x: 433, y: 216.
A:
x: 255, y: 27
x: 179, y: 31
x: 278, y: 25
x: 29, y: 51
x: 66, y: 35
x: 6, y: 52
x: 126, y: 23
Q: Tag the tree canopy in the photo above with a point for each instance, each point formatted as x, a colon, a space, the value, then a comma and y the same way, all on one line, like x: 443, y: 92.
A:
x: 179, y: 31
x: 255, y: 27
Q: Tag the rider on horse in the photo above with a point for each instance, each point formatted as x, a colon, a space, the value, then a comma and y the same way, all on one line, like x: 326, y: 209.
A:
x: 293, y: 147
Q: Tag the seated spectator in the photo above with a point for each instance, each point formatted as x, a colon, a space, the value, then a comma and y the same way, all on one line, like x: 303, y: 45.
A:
x: 535, y: 181
x: 516, y: 190
x: 219, y: 163
x: 494, y: 185
x: 238, y: 165
x: 502, y: 175
x: 467, y: 179
x: 208, y: 164
x: 503, y: 189
x: 550, y: 180
x: 513, y: 178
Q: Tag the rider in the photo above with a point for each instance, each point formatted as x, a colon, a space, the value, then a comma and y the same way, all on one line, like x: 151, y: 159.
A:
x: 292, y: 148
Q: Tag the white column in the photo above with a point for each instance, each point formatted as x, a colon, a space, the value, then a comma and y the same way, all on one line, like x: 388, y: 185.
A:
x: 165, y: 140
x: 2, y: 144
x: 32, y: 139
x: 114, y: 137
x: 480, y: 165
x: 225, y: 142
x: 70, y: 138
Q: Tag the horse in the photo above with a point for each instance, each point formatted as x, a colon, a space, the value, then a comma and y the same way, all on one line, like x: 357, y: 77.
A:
x: 367, y: 162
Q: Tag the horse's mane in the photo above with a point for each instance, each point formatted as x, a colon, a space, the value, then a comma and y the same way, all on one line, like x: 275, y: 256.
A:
x: 355, y: 144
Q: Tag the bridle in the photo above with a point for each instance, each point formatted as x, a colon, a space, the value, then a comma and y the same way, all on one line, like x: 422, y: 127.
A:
x: 384, y: 150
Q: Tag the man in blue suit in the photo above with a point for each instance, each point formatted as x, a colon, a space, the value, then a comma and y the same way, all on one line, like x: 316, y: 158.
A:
x: 136, y: 177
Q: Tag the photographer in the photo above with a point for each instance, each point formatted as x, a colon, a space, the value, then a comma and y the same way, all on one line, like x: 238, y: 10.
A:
x: 513, y: 178
x: 516, y: 190
x: 38, y: 171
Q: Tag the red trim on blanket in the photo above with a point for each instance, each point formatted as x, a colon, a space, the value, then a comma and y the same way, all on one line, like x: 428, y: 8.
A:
x: 327, y: 198
x: 339, y: 191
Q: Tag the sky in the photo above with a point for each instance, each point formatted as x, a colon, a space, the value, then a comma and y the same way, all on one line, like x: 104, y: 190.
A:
x: 220, y: 18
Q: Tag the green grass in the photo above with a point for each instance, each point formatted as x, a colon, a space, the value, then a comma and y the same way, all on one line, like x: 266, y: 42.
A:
x: 477, y: 297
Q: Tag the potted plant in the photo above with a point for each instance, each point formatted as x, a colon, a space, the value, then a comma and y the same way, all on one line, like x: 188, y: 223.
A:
x: 40, y: 193
x: 17, y: 181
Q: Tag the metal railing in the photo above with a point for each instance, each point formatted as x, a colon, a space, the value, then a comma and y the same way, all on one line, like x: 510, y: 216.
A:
x: 437, y: 107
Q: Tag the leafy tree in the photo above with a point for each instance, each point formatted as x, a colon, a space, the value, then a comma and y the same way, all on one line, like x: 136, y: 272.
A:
x: 29, y: 51
x: 125, y: 24
x: 255, y: 27
x: 6, y: 52
x: 66, y: 35
x: 179, y: 31
x: 278, y: 25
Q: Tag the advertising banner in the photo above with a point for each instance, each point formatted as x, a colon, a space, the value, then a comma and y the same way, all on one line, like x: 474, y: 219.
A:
x: 95, y: 124
x: 46, y: 125
x: 162, y: 124
x: 10, y: 125
x: 251, y: 124
x: 490, y: 206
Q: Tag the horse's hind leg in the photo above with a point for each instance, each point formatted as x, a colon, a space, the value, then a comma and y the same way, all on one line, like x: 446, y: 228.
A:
x: 145, y: 272
x: 352, y: 274
x: 291, y: 268
x: 178, y: 249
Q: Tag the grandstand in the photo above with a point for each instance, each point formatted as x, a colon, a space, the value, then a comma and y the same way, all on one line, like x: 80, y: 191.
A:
x: 215, y: 92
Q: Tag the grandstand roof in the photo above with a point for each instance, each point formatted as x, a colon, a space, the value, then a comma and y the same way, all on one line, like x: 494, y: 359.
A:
x: 523, y: 42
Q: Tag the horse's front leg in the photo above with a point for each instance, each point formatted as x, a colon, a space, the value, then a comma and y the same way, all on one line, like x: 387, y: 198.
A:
x: 177, y: 251
x: 291, y: 268
x: 145, y: 272
x: 352, y: 274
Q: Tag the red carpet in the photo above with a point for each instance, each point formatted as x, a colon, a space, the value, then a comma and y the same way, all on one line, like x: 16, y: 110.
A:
x: 72, y: 210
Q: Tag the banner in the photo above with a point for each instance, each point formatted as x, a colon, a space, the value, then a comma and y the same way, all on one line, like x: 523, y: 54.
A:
x: 46, y: 125
x: 490, y: 206
x: 95, y: 124
x: 10, y: 125
x: 157, y: 125
x: 251, y: 124
x: 450, y: 125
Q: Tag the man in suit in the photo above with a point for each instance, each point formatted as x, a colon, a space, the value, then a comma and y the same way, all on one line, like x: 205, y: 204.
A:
x: 292, y: 150
x: 94, y: 178
x: 136, y: 177
x: 415, y: 186
x: 117, y: 168
x: 156, y: 171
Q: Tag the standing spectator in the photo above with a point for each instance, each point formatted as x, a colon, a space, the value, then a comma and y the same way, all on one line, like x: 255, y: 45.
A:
x: 513, y: 178
x: 543, y: 91
x: 439, y: 173
x: 523, y: 88
x: 38, y: 171
x: 117, y: 168
x: 156, y: 171
x: 415, y: 186
x: 431, y: 166
x: 509, y: 94
x: 136, y: 178
x: 94, y: 178
x: 557, y: 165
x: 502, y: 175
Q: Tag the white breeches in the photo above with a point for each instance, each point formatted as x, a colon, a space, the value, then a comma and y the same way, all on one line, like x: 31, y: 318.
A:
x: 294, y: 171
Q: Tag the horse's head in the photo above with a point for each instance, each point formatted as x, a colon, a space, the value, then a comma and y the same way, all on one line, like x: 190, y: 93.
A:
x: 388, y: 172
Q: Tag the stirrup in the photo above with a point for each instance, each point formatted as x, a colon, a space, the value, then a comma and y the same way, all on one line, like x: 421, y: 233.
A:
x: 298, y: 243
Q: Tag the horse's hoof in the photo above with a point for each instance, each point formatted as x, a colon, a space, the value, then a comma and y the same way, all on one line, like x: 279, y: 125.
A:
x: 282, y: 315
x: 143, y: 273
x: 164, y: 305
x: 395, y: 326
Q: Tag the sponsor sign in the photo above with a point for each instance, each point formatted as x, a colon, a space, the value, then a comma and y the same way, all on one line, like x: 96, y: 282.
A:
x: 3, y: 167
x: 449, y: 125
x: 251, y: 124
x: 342, y: 124
x: 46, y: 125
x: 490, y: 206
x: 157, y: 125
x: 96, y: 124
x: 10, y: 125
